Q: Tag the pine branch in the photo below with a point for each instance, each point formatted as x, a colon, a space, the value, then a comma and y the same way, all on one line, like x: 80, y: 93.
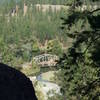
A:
x: 98, y: 9
x: 91, y: 44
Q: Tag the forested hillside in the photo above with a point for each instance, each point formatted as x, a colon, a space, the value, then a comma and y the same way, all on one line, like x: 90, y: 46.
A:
x: 25, y: 35
x: 33, y: 28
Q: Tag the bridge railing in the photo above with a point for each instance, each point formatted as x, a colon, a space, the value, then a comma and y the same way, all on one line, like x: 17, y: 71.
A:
x: 46, y: 59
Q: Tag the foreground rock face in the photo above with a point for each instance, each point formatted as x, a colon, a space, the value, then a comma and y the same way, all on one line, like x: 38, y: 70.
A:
x: 14, y: 85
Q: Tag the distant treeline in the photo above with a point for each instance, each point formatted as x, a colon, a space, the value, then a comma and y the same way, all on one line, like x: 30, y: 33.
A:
x: 37, y: 1
x: 48, y: 1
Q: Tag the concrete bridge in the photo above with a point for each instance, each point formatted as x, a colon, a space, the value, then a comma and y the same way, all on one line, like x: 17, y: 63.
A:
x: 46, y: 60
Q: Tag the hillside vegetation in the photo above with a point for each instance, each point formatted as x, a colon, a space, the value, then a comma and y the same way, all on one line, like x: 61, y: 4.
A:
x: 72, y: 34
x: 23, y: 37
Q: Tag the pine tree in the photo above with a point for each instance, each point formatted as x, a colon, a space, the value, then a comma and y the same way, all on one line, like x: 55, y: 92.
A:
x: 79, y: 76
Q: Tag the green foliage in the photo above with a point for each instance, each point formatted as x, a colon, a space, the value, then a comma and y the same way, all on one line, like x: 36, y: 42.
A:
x: 40, y: 95
x: 46, y: 1
x: 55, y: 97
x: 30, y: 69
x: 35, y: 67
x: 21, y: 36
x: 54, y: 47
x: 80, y: 68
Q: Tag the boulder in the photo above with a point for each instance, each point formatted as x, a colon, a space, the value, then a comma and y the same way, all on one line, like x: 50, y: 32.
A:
x: 14, y: 85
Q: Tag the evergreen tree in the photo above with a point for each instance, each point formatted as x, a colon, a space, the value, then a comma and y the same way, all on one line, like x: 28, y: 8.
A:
x: 79, y: 76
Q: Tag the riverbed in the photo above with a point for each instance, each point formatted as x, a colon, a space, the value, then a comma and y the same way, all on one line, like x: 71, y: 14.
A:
x: 46, y: 86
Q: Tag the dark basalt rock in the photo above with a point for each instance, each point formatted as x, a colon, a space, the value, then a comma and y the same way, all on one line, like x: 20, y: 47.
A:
x: 14, y: 85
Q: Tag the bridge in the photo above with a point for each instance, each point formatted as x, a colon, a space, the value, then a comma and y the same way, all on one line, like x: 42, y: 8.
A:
x: 46, y: 60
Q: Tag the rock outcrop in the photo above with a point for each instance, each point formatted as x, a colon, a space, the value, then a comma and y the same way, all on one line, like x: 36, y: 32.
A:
x: 14, y: 85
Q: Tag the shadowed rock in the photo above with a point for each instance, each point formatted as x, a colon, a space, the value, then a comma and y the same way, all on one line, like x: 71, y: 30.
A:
x: 14, y: 85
